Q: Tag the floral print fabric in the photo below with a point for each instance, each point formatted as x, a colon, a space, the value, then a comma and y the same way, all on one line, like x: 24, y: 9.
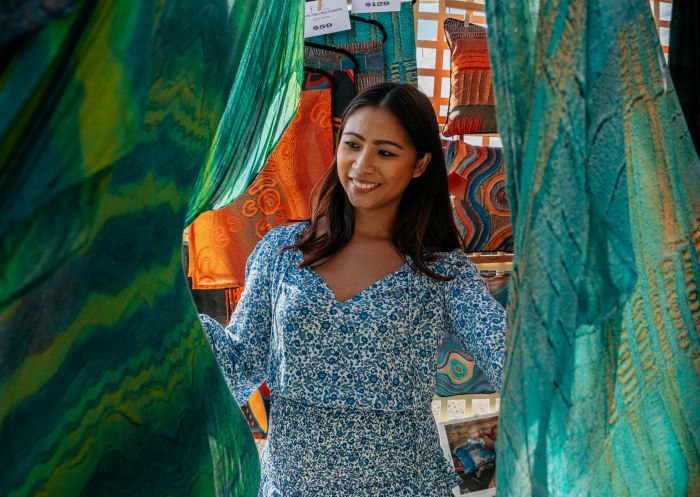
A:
x: 351, y: 383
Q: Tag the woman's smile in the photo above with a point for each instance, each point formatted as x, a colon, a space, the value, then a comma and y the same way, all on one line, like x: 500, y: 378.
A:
x: 363, y: 186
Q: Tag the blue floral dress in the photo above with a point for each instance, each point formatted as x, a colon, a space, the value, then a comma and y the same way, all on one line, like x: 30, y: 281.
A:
x: 351, y: 382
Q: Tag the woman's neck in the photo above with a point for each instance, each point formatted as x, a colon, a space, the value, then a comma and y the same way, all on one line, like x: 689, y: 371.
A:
x: 373, y: 224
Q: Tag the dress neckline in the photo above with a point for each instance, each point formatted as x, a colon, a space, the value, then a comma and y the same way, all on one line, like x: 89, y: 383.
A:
x: 327, y: 288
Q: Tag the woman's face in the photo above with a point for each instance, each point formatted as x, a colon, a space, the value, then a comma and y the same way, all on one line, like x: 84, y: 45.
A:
x: 376, y: 160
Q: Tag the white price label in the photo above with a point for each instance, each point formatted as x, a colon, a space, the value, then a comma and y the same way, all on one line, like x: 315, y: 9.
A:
x: 326, y: 16
x: 480, y: 406
x: 362, y: 6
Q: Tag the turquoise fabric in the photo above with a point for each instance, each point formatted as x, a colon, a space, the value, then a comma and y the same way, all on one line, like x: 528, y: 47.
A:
x: 602, y: 387
x: 399, y: 48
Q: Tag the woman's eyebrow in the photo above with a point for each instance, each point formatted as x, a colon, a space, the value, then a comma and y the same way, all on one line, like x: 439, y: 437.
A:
x: 387, y: 142
x: 375, y: 142
x: 354, y: 134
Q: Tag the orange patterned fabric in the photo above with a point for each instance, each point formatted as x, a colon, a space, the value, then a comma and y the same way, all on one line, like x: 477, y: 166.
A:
x: 222, y: 240
x: 477, y: 181
x: 472, y: 108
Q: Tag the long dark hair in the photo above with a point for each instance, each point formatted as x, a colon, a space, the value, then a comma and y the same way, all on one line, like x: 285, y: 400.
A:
x: 424, y: 224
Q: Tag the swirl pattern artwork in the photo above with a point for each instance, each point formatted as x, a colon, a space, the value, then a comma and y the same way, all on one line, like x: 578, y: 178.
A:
x: 457, y: 374
x: 477, y: 183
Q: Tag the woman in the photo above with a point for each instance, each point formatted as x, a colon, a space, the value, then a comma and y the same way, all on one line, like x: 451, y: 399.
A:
x: 343, y: 314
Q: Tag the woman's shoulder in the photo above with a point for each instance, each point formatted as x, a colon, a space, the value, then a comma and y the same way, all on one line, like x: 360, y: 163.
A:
x: 280, y: 237
x: 454, y: 263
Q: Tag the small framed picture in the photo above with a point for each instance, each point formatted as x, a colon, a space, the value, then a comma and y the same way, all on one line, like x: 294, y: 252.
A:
x: 470, y: 443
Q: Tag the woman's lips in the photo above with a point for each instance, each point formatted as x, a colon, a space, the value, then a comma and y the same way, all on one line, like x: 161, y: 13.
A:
x: 363, y: 186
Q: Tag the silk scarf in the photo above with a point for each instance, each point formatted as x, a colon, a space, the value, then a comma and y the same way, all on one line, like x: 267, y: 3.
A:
x: 108, y: 385
x: 602, y: 382
x: 399, y: 50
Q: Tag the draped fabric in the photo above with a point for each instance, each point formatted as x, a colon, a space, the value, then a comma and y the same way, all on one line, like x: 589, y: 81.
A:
x: 22, y: 16
x: 369, y: 56
x: 471, y: 107
x: 684, y: 62
x: 108, y: 385
x: 221, y: 241
x: 602, y: 385
x: 343, y: 91
x: 480, y: 207
x: 457, y: 374
x: 399, y: 50
x: 261, y: 102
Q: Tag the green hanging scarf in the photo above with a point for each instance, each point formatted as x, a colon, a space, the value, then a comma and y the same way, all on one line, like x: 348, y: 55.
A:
x: 108, y: 385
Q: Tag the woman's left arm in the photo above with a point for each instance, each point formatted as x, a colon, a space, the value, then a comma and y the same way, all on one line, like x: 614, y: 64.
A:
x: 476, y: 318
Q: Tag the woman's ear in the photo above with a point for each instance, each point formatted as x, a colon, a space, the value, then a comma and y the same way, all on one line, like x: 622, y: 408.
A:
x: 422, y: 164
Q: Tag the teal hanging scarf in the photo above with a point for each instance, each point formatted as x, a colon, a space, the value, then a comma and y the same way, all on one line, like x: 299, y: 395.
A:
x: 602, y: 382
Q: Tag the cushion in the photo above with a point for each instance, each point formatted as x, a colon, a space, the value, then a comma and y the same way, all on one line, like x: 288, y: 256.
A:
x: 477, y: 178
x: 471, y: 106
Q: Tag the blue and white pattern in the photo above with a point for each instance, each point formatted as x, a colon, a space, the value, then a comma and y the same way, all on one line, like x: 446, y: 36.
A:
x: 351, y: 382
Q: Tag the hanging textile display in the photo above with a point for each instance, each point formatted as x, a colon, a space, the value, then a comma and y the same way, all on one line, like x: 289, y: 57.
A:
x: 260, y: 105
x: 108, y: 385
x: 472, y: 109
x: 602, y: 389
x: 399, y: 49
x: 343, y: 91
x: 17, y: 20
x: 684, y: 62
x: 221, y: 241
x: 457, y: 374
x: 477, y: 181
x: 369, y: 55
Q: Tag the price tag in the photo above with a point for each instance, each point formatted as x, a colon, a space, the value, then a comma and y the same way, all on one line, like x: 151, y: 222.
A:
x: 480, y: 406
x: 326, y: 16
x: 362, y: 6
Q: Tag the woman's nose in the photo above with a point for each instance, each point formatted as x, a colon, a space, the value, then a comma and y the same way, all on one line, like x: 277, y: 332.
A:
x: 363, y: 162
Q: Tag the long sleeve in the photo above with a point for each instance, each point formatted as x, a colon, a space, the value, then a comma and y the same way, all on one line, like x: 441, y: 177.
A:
x: 242, y: 348
x: 476, y: 317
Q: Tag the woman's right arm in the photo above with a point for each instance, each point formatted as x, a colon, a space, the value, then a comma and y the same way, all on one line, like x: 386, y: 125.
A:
x: 241, y: 349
